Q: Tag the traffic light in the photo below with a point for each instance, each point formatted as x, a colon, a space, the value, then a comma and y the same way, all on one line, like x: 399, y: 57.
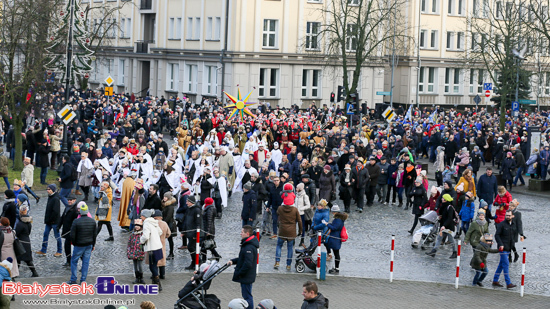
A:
x: 355, y: 101
x: 341, y: 94
x: 332, y: 95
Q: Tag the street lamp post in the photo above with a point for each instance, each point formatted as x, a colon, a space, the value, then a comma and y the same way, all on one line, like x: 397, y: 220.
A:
x: 64, y: 146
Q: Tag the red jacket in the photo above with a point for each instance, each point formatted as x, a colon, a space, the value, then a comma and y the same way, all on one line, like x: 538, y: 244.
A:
x: 501, y: 211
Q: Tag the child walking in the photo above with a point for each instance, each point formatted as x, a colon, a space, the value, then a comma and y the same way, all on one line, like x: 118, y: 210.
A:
x: 135, y: 251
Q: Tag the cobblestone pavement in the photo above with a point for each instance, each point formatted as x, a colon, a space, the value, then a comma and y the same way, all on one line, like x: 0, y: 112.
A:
x: 366, y: 254
x: 342, y: 292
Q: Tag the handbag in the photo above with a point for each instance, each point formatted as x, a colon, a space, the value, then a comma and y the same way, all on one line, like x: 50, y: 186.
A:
x: 344, y: 234
x: 18, y: 247
x: 209, y: 244
x: 102, y: 212
x: 513, y: 172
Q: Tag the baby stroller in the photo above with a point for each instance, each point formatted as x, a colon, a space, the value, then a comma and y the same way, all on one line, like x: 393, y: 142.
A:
x: 307, y: 257
x: 194, y: 296
x: 427, y: 233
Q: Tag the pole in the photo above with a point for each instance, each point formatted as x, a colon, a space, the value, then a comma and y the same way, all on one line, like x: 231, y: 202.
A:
x: 393, y: 55
x: 319, y: 255
x: 418, y: 56
x: 198, y: 250
x: 64, y: 149
x: 258, y: 258
x: 522, y: 287
x: 226, y: 35
x: 392, y: 254
x: 457, y: 264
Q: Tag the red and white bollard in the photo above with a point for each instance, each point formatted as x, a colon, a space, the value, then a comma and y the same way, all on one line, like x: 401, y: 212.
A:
x: 198, y: 250
x: 392, y: 254
x: 522, y: 287
x: 258, y: 259
x: 457, y: 264
x: 319, y: 237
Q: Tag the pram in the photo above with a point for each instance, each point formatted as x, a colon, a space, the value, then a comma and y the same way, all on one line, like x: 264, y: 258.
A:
x: 197, y: 298
x: 426, y: 235
x: 307, y: 257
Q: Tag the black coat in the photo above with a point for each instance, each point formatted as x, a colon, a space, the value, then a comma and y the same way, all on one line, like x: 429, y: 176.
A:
x: 206, y: 186
x: 53, y: 210
x: 275, y: 199
x: 374, y: 173
x: 10, y: 211
x: 419, y: 199
x: 259, y: 188
x: 193, y: 221
x: 447, y: 213
x: 23, y: 233
x: 451, y: 148
x: 361, y: 178
x: 208, y: 219
x: 83, y: 232
x: 69, y: 215
x: 245, y: 271
x: 506, y: 234
x: 486, y: 188
x: 66, y: 176
x: 153, y: 202
x: 249, y: 206
x: 43, y: 152
x: 508, y: 165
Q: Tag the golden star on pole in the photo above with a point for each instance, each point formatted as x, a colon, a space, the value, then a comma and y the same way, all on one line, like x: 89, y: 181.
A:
x: 239, y: 105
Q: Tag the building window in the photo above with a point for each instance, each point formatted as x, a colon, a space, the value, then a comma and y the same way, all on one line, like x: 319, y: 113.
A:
x: 211, y: 79
x: 217, y: 29
x: 435, y: 6
x: 312, y: 35
x: 311, y: 83
x: 189, y: 35
x: 460, y: 7
x: 423, y: 38
x: 109, y: 66
x: 122, y: 27
x: 480, y: 77
x: 171, y: 25
x: 172, y: 80
x: 269, y: 81
x: 547, y: 84
x: 423, y: 6
x: 351, y: 38
x: 460, y: 40
x: 452, y: 80
x: 498, y: 9
x: 353, y: 2
x: 433, y: 39
x: 122, y: 72
x: 450, y: 39
x: 270, y: 33
x: 426, y: 82
x: 198, y: 27
x: 191, y: 78
x: 209, y: 27
x: 450, y: 8
x: 174, y: 29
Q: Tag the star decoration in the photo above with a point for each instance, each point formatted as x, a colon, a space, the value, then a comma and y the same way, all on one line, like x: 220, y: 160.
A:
x: 239, y: 105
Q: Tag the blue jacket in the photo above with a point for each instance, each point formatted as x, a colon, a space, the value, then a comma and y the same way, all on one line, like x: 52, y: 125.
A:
x: 467, y: 211
x: 334, y: 242
x: 275, y: 199
x: 295, y: 168
x: 545, y: 157
x: 392, y: 169
x: 530, y: 164
x: 487, y: 188
x: 318, y: 217
x: 249, y: 206
x: 4, y: 275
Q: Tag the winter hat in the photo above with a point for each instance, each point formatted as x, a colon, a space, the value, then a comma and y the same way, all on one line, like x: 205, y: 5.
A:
x: 138, y: 222
x: 449, y: 183
x: 8, y: 263
x: 447, y: 198
x: 482, y: 204
x: 157, y: 213
x: 418, y: 179
x: 191, y: 199
x: 348, y: 167
x: 52, y: 187
x: 509, y: 154
x: 208, y: 201
x: 423, y: 173
x: 9, y: 194
x: 168, y: 195
x: 288, y: 188
x: 71, y: 197
x: 266, y: 304
x: 481, y: 212
x: 248, y: 186
x: 327, y: 167
x: 433, y: 190
x: 300, y: 186
x: 464, y: 149
x: 460, y: 187
x: 147, y: 213
x: 305, y: 176
x: 276, y: 145
x: 238, y: 303
x: 335, y: 208
x: 84, y: 210
x: 22, y: 197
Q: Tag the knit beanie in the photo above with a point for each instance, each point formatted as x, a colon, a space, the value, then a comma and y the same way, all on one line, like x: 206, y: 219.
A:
x: 433, y: 190
x: 460, y: 187
x: 447, y: 198
x: 208, y: 201
x: 9, y: 194
x: 482, y: 203
x: 84, y: 210
x: 238, y: 303
x: 147, y: 213
x: 266, y: 304
x: 168, y: 195
x: 52, y: 187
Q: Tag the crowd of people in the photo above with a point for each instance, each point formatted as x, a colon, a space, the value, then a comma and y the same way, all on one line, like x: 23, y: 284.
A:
x: 175, y: 165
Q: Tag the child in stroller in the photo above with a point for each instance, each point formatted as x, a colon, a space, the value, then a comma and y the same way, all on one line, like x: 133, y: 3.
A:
x: 426, y: 235
x: 307, y: 257
x: 193, y: 294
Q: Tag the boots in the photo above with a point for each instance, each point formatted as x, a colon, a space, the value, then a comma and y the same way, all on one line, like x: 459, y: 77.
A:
x: 162, y: 272
x: 110, y: 238
x: 85, y: 198
x: 77, y: 192
x: 516, y: 256
x: 156, y: 281
x: 34, y: 273
x: 453, y: 256
x: 432, y: 253
x: 139, y: 278
x: 406, y: 206
x: 301, y: 242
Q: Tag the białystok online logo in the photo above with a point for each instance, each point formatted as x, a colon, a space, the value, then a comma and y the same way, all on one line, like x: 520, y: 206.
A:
x: 105, y: 285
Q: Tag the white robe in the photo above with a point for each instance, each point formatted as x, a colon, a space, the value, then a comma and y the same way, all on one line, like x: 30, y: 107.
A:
x: 222, y: 184
x: 238, y: 185
x: 252, y: 146
x: 277, y: 157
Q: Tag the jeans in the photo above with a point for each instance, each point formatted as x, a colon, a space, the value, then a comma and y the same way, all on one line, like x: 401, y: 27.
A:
x: 153, y: 264
x: 246, y: 292
x: 289, y: 248
x: 43, y: 174
x: 381, y: 191
x: 275, y: 218
x: 449, y: 235
x: 480, y: 275
x: 85, y: 253
x: 47, y: 231
x: 400, y: 194
x: 7, y: 183
x: 30, y: 191
x: 503, y: 266
x: 543, y: 171
x: 465, y: 226
x: 63, y: 193
x: 519, y: 176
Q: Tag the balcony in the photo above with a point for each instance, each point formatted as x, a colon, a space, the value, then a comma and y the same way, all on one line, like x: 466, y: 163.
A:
x: 142, y: 47
x: 146, y: 5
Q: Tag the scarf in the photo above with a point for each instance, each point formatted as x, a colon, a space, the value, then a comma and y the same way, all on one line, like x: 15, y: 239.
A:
x: 471, y: 185
x: 481, y: 222
x: 409, y: 168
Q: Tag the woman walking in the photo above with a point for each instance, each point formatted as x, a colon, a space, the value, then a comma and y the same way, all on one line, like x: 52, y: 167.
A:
x: 508, y: 169
x: 327, y: 184
x: 168, y: 209
x: 7, y: 245
x: 419, y: 199
x: 152, y: 244
x: 334, y: 241
x: 85, y: 171
x: 23, y: 231
x: 104, y: 209
x: 302, y: 203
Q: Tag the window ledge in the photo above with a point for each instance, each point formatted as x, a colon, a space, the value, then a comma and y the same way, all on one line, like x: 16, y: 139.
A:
x: 313, y: 49
x: 453, y: 95
x: 270, y: 48
x: 171, y: 90
x: 428, y: 94
x: 212, y: 40
x: 430, y: 13
x: 174, y: 39
x: 193, y: 40
x: 269, y: 98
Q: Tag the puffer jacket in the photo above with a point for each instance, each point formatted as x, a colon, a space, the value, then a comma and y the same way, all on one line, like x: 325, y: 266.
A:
x: 83, y: 232
x: 151, y: 235
x: 467, y: 211
x: 318, y: 217
x: 302, y: 202
x: 208, y: 219
x: 480, y: 255
x: 318, y: 302
x: 531, y: 169
x: 168, y: 214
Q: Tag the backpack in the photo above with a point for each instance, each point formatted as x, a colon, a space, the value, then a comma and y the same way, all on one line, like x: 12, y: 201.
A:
x: 456, y: 218
x: 74, y: 173
x: 344, y: 234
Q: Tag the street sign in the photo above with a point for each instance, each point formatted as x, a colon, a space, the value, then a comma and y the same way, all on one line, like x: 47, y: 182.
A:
x: 515, y: 106
x: 528, y: 102
x: 487, y: 93
x: 350, y: 109
x: 388, y: 114
x: 66, y: 114
x: 63, y: 112
x: 108, y: 91
x: 477, y: 99
x: 487, y: 86
x: 383, y: 92
x: 70, y: 116
x: 109, y: 80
